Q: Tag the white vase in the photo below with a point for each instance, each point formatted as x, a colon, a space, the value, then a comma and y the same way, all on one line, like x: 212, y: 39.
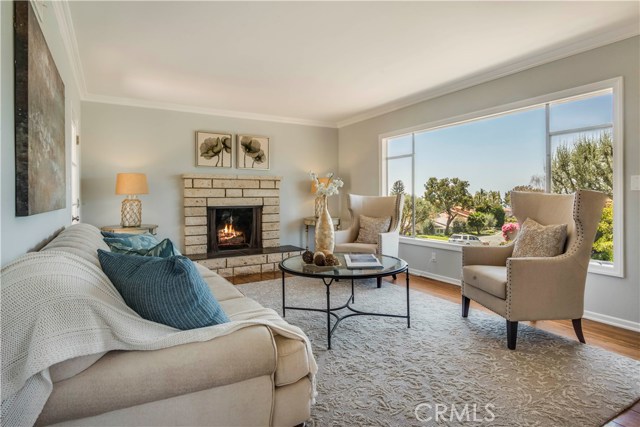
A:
x: 325, y: 236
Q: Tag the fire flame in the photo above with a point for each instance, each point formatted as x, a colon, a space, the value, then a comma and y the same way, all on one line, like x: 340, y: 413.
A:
x: 228, y: 232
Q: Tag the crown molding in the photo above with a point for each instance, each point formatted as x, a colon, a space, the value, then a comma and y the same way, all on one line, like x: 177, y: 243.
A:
x: 68, y: 35
x: 583, y: 45
x: 67, y: 32
x: 130, y: 102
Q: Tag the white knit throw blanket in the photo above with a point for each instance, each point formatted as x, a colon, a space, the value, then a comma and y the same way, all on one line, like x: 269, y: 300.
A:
x: 57, y: 306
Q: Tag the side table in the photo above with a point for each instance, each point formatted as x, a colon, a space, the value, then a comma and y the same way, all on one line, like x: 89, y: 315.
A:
x: 144, y: 228
x: 310, y: 221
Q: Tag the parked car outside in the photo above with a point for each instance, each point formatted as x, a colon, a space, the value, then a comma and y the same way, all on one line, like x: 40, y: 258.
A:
x: 465, y: 239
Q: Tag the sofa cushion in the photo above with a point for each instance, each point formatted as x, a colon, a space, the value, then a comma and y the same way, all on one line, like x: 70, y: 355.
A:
x: 126, y: 243
x: 164, y: 290
x: 122, y: 379
x: 537, y: 240
x: 242, y: 308
x: 293, y: 362
x: 489, y: 278
x: 371, y: 227
x: 221, y: 288
x: 72, y: 367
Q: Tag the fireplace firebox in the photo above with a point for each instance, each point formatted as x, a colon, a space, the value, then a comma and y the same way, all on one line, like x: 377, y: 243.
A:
x: 234, y: 228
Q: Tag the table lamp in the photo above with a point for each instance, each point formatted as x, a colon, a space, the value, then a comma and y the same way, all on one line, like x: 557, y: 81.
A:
x: 131, y: 184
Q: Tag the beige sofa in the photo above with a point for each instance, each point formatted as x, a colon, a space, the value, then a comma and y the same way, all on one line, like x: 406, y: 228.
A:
x: 250, y: 377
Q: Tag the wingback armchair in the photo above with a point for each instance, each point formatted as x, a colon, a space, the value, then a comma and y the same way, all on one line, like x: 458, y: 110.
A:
x: 536, y: 288
x: 375, y: 207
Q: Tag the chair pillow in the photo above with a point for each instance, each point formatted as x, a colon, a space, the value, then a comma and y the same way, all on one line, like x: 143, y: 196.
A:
x: 371, y: 227
x: 537, y: 240
x: 164, y: 290
x: 125, y: 243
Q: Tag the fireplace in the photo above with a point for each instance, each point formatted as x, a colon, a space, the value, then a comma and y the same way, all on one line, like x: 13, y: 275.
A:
x: 234, y: 228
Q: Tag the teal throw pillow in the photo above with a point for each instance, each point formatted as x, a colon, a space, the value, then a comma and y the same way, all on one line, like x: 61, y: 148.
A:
x: 126, y: 243
x: 164, y: 290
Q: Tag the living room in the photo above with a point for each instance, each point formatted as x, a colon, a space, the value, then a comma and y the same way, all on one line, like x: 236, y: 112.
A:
x: 331, y: 86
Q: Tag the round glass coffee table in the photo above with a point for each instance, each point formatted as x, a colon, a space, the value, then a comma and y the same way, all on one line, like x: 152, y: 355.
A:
x: 391, y: 266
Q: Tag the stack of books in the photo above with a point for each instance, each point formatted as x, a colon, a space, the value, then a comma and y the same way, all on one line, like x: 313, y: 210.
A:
x: 357, y: 261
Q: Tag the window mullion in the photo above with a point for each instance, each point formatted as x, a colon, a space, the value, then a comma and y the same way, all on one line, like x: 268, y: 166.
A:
x: 582, y: 129
x: 547, y: 148
x: 413, y: 184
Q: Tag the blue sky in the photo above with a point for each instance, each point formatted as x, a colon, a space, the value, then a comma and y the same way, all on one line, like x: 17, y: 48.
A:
x: 496, y: 153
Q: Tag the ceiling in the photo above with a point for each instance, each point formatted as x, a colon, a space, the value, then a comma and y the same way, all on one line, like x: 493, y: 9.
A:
x: 321, y: 63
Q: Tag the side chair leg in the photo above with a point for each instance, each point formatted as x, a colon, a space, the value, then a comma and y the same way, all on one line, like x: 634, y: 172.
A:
x: 395, y: 276
x: 379, y: 282
x: 512, y: 334
x: 465, y: 306
x: 577, y: 326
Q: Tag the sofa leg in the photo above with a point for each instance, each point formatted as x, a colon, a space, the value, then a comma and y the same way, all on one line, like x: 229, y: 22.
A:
x: 466, y: 302
x: 577, y: 326
x: 379, y: 282
x: 512, y: 334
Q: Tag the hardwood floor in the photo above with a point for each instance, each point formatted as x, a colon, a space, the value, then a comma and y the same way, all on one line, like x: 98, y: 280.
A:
x: 617, y: 340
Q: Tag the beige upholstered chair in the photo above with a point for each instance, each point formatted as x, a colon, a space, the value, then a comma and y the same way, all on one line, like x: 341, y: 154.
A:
x: 376, y: 207
x: 536, y: 288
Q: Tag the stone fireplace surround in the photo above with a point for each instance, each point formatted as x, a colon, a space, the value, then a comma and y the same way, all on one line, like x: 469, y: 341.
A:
x: 205, y: 190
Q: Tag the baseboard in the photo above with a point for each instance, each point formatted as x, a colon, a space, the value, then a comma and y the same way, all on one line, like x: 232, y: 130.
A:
x: 613, y: 321
x: 434, y: 276
x: 597, y: 317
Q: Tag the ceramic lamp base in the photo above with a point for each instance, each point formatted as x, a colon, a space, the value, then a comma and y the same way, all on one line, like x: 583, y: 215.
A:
x: 131, y: 213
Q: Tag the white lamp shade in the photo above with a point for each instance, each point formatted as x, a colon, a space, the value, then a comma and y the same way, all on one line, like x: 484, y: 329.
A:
x: 131, y: 183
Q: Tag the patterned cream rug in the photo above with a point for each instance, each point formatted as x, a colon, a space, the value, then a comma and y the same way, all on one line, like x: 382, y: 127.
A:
x: 447, y: 370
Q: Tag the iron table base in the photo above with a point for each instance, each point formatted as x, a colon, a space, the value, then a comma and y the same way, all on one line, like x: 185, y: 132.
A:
x: 330, y: 311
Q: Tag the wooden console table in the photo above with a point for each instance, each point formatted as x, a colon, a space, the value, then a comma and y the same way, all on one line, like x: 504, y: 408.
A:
x: 144, y: 228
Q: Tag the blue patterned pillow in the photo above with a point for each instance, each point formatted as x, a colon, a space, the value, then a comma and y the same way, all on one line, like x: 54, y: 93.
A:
x: 126, y: 243
x: 110, y: 234
x: 164, y: 249
x: 164, y: 290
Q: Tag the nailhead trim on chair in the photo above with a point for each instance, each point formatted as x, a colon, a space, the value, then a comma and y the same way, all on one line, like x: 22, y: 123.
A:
x: 577, y: 209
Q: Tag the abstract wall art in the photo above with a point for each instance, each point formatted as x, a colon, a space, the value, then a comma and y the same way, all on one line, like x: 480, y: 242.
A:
x: 39, y: 119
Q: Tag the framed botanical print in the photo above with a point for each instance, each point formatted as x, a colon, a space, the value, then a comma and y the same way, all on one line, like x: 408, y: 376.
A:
x: 253, y: 152
x: 214, y: 149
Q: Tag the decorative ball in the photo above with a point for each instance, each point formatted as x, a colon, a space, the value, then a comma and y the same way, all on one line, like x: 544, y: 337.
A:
x: 331, y: 259
x: 307, y: 257
x: 319, y: 259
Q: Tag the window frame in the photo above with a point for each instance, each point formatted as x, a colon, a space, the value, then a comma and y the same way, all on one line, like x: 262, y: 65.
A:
x: 616, y: 268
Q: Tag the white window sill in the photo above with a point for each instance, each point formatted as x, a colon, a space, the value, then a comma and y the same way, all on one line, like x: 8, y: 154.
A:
x: 595, y: 267
x: 431, y: 244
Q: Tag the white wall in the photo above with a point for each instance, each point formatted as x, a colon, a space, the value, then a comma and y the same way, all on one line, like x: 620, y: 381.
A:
x: 605, y: 296
x: 161, y: 144
x: 20, y: 234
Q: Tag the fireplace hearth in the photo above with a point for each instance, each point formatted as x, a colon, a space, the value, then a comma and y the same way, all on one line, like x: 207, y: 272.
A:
x: 234, y: 228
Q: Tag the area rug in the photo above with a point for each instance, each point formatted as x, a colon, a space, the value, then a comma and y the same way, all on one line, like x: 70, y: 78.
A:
x: 447, y: 370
